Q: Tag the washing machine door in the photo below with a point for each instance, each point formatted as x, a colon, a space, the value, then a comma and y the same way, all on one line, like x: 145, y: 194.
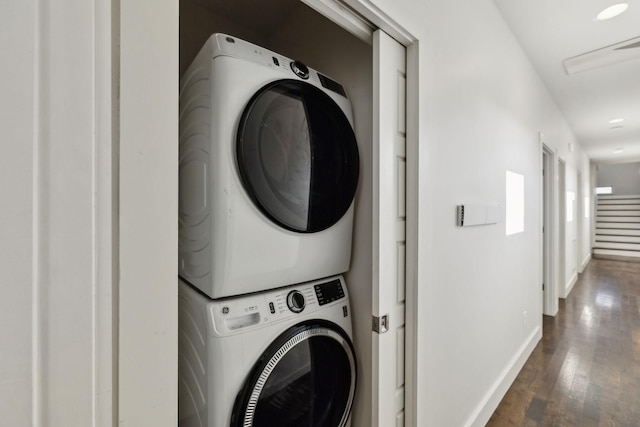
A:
x: 297, y: 156
x: 306, y: 378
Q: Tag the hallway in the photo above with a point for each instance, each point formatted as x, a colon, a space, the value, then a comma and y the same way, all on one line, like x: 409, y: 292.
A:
x: 586, y: 369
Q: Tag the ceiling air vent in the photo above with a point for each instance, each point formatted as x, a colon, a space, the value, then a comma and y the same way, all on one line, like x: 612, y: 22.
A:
x: 619, y: 52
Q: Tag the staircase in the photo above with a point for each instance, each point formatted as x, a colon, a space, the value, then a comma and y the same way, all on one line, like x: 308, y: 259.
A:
x: 617, y: 227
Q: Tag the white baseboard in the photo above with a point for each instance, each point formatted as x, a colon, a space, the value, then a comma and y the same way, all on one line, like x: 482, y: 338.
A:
x: 569, y: 286
x: 585, y: 261
x: 492, y: 399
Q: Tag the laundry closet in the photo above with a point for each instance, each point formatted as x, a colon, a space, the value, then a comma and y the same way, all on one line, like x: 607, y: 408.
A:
x: 296, y: 31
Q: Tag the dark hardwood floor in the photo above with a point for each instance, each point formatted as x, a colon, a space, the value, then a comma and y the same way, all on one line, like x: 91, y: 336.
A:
x: 586, y: 369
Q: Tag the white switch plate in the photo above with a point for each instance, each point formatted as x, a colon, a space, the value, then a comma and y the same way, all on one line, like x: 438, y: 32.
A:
x: 470, y: 215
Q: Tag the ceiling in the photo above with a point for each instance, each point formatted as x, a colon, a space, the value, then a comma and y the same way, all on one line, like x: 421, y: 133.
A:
x: 551, y: 31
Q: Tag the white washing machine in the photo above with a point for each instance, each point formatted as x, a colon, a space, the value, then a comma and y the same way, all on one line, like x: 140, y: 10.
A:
x: 277, y: 358
x: 269, y: 167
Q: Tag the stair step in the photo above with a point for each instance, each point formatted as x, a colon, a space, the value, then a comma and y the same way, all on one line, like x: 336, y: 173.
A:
x: 612, y: 252
x: 618, y: 246
x: 609, y: 218
x: 618, y: 197
x: 602, y: 203
x: 618, y: 212
x: 617, y: 232
x: 618, y: 225
x: 618, y: 239
x: 619, y: 207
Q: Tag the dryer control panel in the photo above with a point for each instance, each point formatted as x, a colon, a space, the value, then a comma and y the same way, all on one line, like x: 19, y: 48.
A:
x: 226, y: 45
x: 240, y: 314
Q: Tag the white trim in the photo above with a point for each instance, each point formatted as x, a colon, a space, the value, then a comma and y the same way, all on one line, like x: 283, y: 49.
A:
x: 579, y: 219
x: 148, y: 211
x: 104, y: 196
x: 492, y: 398
x: 412, y: 233
x: 550, y: 305
x: 36, y: 299
x: 381, y: 20
x: 344, y: 17
x: 561, y: 221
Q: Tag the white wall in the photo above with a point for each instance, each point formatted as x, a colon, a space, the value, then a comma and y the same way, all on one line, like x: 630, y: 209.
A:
x: 585, y: 210
x: 481, y: 107
x: 623, y: 177
x: 571, y: 229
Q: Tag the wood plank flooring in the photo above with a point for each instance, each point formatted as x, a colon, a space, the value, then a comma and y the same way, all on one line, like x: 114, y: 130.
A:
x: 586, y: 369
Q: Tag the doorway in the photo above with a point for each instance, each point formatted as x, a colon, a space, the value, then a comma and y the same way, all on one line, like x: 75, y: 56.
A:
x: 298, y: 32
x: 147, y: 69
x: 549, y: 285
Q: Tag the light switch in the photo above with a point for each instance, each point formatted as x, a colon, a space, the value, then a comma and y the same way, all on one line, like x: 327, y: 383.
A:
x: 470, y: 215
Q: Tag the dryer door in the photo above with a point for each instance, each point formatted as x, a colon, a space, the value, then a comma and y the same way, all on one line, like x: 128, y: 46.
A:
x: 297, y: 156
x: 306, y: 378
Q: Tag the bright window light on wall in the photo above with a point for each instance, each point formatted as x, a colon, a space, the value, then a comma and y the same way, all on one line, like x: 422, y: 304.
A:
x: 571, y: 197
x: 604, y: 190
x: 514, y: 218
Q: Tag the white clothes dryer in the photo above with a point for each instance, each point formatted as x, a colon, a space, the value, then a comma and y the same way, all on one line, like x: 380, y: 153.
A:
x: 277, y: 358
x: 269, y: 167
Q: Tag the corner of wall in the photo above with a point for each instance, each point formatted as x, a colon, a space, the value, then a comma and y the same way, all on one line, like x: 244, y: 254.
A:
x: 492, y: 399
x: 570, y: 284
x: 584, y: 262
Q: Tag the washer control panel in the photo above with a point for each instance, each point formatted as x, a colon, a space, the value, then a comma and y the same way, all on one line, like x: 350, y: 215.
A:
x: 252, y: 311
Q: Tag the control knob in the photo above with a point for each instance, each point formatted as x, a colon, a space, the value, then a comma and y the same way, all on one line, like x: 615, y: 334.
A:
x: 300, y: 69
x: 295, y: 301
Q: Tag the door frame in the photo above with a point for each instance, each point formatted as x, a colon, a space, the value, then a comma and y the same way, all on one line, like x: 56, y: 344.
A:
x: 562, y: 228
x: 549, y: 221
x: 145, y: 70
x: 580, y: 208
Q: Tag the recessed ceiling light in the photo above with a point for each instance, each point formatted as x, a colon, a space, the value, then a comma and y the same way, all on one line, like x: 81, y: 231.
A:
x: 618, y: 150
x: 616, y: 127
x: 614, y: 121
x: 612, y: 11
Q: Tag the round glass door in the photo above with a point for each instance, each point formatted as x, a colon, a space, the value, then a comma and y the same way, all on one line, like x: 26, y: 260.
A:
x: 297, y: 156
x: 305, y: 379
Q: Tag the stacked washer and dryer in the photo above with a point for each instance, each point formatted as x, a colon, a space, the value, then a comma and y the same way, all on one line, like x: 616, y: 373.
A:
x: 268, y: 172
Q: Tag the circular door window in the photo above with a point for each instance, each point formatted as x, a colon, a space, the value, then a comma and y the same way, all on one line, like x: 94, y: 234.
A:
x: 305, y: 379
x: 297, y: 156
